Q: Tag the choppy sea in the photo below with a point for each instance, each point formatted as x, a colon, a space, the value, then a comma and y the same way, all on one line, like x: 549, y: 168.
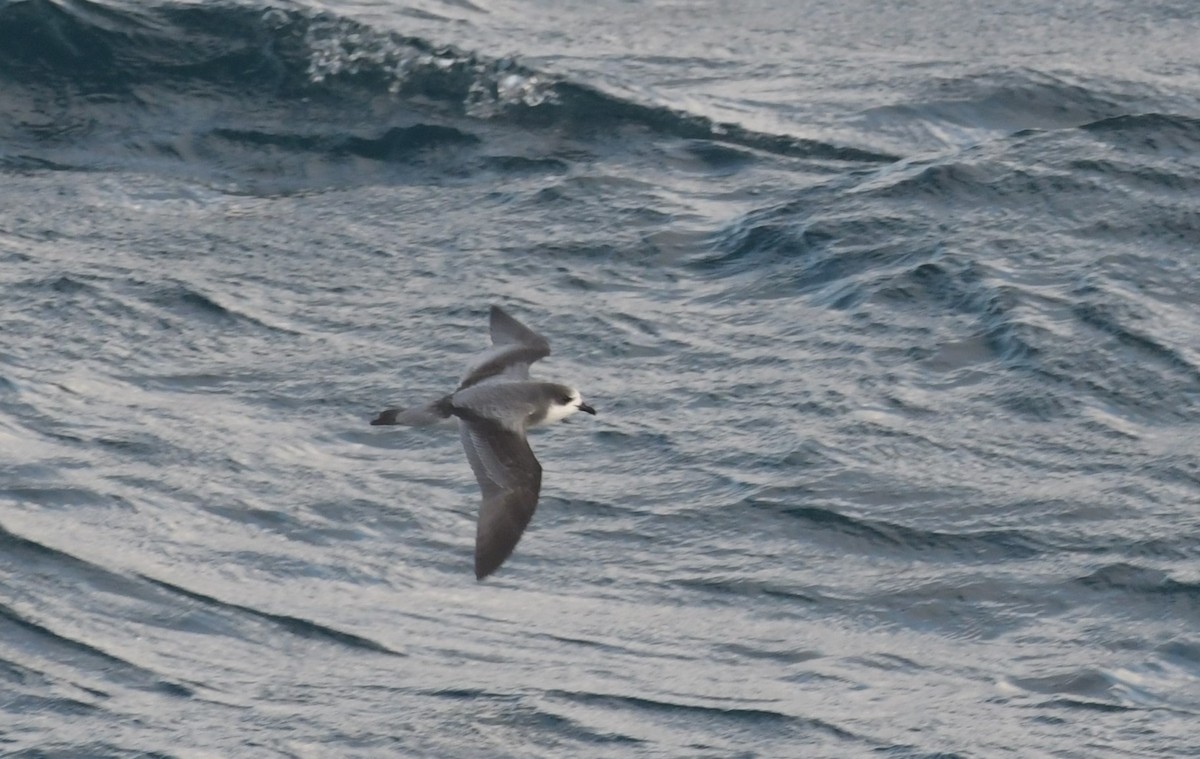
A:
x: 890, y: 311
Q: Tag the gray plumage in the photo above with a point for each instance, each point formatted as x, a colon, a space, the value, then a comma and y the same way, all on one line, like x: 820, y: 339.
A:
x: 496, y: 403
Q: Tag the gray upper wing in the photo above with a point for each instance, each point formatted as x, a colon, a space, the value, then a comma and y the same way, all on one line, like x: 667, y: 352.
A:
x: 514, y: 348
x: 507, y: 331
x: 510, y: 479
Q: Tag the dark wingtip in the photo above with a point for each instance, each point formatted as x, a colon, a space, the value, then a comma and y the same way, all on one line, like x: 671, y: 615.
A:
x: 387, y: 416
x: 486, y: 564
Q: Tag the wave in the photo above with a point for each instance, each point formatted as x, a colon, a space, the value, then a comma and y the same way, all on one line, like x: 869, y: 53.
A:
x: 297, y: 626
x: 1039, y: 251
x: 251, y: 90
x: 392, y: 144
x: 22, y: 631
x: 149, y: 589
x: 870, y: 534
x: 1160, y: 132
x: 959, y: 112
x: 1130, y: 578
x: 732, y: 718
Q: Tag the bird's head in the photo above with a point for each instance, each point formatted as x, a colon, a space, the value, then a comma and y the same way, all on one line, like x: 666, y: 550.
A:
x: 566, y: 402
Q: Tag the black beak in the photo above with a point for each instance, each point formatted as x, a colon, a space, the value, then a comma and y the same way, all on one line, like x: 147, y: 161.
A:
x: 587, y: 408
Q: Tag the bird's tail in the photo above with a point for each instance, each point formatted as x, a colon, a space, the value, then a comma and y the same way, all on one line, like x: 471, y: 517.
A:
x: 418, y: 416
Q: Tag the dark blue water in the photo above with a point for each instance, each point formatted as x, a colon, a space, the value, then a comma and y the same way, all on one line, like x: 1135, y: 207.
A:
x: 891, y: 316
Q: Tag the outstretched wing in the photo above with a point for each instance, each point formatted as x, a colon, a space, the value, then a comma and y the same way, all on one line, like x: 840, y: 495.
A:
x: 510, y: 479
x: 508, y: 331
x: 514, y: 348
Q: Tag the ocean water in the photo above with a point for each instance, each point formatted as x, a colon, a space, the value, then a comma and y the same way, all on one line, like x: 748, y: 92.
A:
x: 890, y: 313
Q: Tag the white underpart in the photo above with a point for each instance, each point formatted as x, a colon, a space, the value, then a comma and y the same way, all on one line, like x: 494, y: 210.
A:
x: 557, y: 412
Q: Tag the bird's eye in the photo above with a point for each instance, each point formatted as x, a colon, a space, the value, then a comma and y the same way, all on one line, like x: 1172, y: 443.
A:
x: 565, y: 400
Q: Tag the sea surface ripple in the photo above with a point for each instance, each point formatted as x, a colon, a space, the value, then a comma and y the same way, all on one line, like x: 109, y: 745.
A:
x: 890, y: 315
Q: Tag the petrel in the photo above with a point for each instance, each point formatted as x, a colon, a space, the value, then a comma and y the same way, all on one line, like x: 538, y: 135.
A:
x: 495, y: 404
